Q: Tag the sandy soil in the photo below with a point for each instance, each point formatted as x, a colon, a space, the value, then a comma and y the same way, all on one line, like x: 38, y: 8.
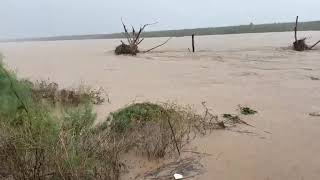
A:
x: 257, y: 70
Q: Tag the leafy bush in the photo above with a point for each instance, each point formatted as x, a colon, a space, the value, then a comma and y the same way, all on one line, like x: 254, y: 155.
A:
x: 13, y: 94
x: 139, y: 113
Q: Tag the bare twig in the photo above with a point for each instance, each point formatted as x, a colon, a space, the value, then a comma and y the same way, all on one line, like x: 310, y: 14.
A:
x: 140, y: 41
x: 141, y: 30
x: 158, y: 45
x: 126, y: 33
x: 173, y: 135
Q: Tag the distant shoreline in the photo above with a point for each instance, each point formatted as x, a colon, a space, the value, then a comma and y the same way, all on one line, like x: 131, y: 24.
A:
x: 241, y: 29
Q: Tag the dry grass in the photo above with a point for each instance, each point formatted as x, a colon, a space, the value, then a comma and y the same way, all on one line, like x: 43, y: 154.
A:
x: 50, y: 92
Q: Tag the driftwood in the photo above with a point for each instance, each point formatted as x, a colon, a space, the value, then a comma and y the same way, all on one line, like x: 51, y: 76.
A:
x: 300, y: 44
x: 133, y: 41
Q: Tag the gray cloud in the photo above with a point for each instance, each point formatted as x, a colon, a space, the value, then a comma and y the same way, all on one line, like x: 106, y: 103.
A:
x: 34, y: 18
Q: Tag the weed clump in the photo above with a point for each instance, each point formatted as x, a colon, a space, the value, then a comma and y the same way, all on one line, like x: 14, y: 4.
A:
x: 50, y: 92
x: 246, y: 110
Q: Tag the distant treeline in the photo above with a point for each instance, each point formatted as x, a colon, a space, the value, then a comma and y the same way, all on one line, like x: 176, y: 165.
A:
x: 251, y: 28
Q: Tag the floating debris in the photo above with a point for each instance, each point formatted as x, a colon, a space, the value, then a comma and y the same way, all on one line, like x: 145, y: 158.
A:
x: 315, y: 114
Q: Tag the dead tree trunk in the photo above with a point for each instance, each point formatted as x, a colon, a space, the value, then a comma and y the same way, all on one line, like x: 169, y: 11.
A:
x: 193, y: 49
x: 300, y: 44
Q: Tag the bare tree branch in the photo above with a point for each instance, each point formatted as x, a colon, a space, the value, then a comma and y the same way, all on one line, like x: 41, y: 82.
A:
x: 314, y: 44
x: 126, y: 33
x: 140, y: 41
x: 142, y: 29
x: 133, y: 31
x: 158, y: 45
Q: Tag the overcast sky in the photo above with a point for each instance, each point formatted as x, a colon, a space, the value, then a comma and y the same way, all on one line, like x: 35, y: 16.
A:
x: 38, y: 18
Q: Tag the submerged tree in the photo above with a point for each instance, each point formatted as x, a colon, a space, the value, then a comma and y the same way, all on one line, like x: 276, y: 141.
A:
x: 133, y: 41
x: 300, y: 44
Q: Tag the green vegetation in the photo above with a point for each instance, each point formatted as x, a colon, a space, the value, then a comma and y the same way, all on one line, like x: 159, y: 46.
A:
x: 37, y: 144
x: 250, y: 28
x: 139, y: 113
x: 13, y: 94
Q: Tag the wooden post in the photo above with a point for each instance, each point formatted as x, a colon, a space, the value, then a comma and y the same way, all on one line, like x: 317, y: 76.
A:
x: 193, y: 49
x: 296, y: 29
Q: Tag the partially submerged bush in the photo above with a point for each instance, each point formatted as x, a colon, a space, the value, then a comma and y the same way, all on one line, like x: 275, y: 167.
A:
x: 155, y: 130
x: 136, y: 114
x: 145, y: 127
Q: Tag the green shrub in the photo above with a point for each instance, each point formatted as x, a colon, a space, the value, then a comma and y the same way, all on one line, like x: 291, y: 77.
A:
x: 141, y: 113
x: 151, y: 129
x: 13, y: 94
